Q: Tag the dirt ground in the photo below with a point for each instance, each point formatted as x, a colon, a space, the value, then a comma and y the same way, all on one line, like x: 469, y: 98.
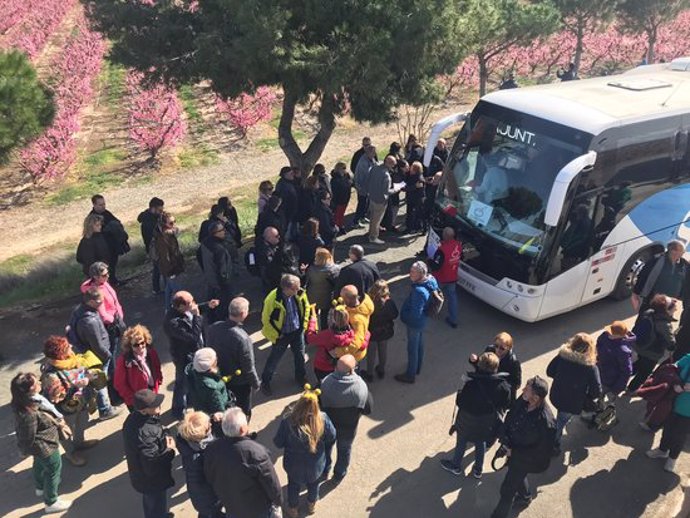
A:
x: 395, y: 468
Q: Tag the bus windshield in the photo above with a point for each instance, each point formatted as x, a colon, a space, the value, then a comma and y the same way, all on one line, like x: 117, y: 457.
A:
x: 501, y: 172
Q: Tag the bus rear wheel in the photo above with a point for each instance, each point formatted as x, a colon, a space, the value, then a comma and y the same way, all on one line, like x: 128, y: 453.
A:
x: 629, y: 274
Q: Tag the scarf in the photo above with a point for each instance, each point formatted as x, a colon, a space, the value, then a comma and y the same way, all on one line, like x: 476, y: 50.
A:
x: 140, y: 360
x: 73, y: 362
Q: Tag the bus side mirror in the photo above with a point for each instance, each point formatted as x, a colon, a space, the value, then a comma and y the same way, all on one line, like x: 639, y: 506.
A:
x: 436, y: 131
x: 565, y: 177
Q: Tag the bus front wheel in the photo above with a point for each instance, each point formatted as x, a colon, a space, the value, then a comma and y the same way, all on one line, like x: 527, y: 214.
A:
x: 629, y: 274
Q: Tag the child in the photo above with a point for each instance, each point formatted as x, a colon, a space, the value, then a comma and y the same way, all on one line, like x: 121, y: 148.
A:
x: 38, y: 432
x: 382, y: 328
x: 265, y: 191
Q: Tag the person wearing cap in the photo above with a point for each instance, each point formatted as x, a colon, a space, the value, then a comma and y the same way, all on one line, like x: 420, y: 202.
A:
x: 149, y: 452
x: 527, y: 438
x: 345, y: 397
x: 284, y: 319
x: 207, y: 391
x: 235, y: 351
x: 306, y: 434
x: 614, y: 357
x: 241, y: 472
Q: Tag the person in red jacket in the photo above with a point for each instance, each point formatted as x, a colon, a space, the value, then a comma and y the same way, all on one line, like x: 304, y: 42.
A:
x: 444, y: 266
x: 659, y: 393
x: 338, y: 334
x: 138, y: 366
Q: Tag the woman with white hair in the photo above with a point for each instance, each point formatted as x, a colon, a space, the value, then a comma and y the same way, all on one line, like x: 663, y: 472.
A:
x: 414, y: 315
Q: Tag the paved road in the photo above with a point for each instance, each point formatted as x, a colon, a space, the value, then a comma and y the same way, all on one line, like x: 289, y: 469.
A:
x: 395, y: 468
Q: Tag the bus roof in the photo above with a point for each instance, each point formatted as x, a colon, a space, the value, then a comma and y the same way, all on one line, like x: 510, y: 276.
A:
x: 593, y: 105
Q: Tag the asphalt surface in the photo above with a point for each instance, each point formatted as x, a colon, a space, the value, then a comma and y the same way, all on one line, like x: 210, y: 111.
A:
x: 395, y: 470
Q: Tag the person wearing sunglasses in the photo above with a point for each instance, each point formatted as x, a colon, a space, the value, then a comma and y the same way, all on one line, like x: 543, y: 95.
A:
x: 509, y: 365
x: 138, y: 366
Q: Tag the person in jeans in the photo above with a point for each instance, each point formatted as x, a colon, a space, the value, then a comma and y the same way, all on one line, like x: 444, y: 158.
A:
x: 345, y: 398
x: 149, y: 452
x: 148, y: 219
x: 527, y: 438
x: 285, y: 318
x: 677, y: 426
x: 86, y: 331
x: 38, y: 432
x: 306, y: 434
x: 444, y: 266
x: 481, y: 402
x: 382, y: 329
x: 414, y: 315
x: 576, y: 380
x: 183, y: 325
x: 241, y: 472
x: 113, y: 317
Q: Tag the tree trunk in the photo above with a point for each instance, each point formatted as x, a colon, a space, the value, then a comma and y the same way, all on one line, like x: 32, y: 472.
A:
x: 651, y: 39
x: 579, y: 46
x: 305, y: 161
x: 483, y: 74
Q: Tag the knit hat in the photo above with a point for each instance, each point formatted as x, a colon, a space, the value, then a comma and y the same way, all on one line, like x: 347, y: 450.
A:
x: 204, y: 359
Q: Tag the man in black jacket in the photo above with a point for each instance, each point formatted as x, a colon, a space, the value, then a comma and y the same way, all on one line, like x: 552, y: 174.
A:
x: 663, y: 274
x: 149, y: 453
x: 183, y: 326
x: 528, y: 438
x: 148, y: 220
x: 322, y: 211
x: 361, y: 273
x: 221, y: 267
x: 276, y: 258
x: 345, y: 398
x: 114, y: 233
x: 240, y: 471
x: 235, y: 351
x: 286, y: 190
x: 87, y: 332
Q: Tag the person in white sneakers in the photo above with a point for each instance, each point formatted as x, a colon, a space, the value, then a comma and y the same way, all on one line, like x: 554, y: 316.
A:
x: 38, y: 431
x: 677, y: 425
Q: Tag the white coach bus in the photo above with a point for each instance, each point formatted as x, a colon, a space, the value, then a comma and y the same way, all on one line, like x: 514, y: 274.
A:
x: 561, y: 192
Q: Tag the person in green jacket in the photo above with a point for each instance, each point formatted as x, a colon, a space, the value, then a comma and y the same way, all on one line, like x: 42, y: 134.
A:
x: 207, y: 390
x: 285, y: 318
x: 677, y: 426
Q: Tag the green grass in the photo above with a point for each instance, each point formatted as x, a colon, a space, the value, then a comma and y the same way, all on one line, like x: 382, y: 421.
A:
x: 53, y: 279
x: 267, y: 144
x: 85, y: 188
x: 196, y: 156
x: 189, y: 102
x: 17, y: 265
x: 113, y: 79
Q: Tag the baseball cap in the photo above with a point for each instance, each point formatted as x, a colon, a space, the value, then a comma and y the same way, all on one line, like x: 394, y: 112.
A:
x: 147, y: 398
x: 204, y: 359
x: 539, y: 386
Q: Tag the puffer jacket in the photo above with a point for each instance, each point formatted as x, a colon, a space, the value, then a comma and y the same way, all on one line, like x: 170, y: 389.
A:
x: 201, y: 493
x: 359, y: 321
x: 575, y: 380
x: 414, y: 310
x: 325, y: 341
x: 614, y: 360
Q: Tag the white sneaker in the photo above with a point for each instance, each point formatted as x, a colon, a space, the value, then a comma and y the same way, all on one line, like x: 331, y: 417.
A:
x: 39, y: 492
x: 377, y: 241
x: 656, y: 453
x: 58, y: 506
x: 670, y: 465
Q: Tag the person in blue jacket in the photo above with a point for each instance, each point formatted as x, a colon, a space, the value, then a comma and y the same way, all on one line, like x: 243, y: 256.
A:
x: 414, y: 315
x: 306, y: 433
x: 677, y: 425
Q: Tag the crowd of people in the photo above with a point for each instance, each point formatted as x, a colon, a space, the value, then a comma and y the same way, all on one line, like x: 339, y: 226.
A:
x: 100, y: 364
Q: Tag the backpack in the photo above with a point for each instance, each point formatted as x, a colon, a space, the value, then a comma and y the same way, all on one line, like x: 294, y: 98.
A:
x: 72, y: 336
x: 605, y: 419
x: 435, y: 303
x: 250, y: 262
x: 644, y: 329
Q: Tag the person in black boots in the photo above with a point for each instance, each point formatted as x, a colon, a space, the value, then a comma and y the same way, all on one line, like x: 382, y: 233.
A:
x: 149, y: 452
x: 148, y: 220
x: 527, y: 440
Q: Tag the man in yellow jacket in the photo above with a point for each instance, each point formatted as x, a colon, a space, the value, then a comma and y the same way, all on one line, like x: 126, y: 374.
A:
x: 284, y: 319
x: 360, y: 310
